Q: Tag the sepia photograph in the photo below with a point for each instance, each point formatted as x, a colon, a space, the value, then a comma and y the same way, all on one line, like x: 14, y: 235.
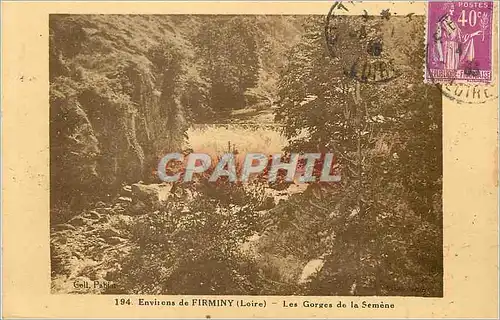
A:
x: 286, y: 155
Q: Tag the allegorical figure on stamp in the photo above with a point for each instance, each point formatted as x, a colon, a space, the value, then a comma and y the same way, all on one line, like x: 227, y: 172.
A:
x: 452, y: 45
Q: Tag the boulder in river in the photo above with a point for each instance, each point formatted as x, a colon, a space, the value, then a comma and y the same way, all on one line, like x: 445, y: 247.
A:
x: 103, y: 219
x: 77, y: 221
x: 138, y: 208
x: 310, y: 269
x: 109, y: 232
x: 125, y: 199
x: 114, y: 240
x: 126, y: 191
x: 150, y: 193
x: 64, y: 226
x: 106, y: 210
x: 92, y: 214
x: 100, y: 204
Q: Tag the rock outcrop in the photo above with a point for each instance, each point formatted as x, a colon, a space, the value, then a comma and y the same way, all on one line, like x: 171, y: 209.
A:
x: 151, y: 194
x: 109, y: 125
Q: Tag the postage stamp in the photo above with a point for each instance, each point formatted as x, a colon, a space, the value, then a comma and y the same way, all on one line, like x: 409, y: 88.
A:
x: 459, y: 40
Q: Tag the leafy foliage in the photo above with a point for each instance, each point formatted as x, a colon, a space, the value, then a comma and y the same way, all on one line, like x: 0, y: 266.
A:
x: 229, y: 49
x: 382, y: 226
x: 193, y: 247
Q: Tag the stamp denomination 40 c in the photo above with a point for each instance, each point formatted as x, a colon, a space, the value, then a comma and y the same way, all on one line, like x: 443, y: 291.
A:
x: 459, y: 40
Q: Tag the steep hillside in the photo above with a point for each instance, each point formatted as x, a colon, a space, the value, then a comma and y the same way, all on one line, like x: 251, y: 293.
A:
x: 125, y: 88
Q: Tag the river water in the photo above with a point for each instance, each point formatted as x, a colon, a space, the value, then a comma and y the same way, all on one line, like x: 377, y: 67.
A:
x: 245, y: 138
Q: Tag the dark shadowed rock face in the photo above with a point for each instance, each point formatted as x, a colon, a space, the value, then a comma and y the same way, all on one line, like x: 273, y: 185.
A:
x: 75, y: 149
x: 107, y: 128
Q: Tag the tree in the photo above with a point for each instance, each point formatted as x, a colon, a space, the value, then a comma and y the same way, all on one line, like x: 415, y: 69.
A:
x: 228, y: 47
x: 386, y: 136
x: 167, y: 60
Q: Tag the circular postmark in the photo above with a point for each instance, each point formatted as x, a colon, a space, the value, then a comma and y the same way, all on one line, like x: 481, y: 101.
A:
x: 359, y: 45
x: 463, y: 93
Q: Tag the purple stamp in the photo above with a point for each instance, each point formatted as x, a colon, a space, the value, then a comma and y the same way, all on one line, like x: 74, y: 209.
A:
x: 459, y: 42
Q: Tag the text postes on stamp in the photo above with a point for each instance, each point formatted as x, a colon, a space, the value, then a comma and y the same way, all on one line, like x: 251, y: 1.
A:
x: 459, y: 38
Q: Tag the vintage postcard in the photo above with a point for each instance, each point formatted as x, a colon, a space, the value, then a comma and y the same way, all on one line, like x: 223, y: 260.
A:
x: 250, y: 159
